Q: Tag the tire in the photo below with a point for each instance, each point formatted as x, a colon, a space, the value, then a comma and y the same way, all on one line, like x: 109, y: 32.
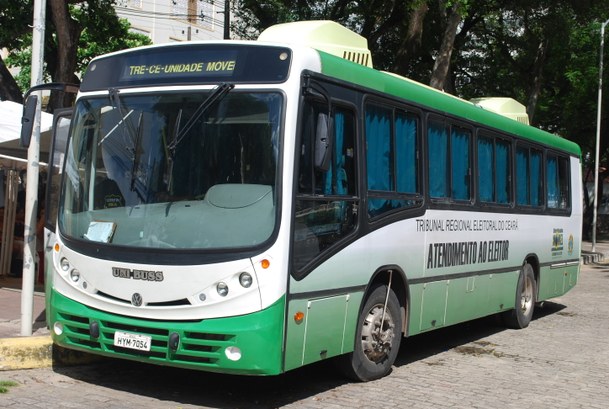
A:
x: 375, y: 352
x: 526, y: 297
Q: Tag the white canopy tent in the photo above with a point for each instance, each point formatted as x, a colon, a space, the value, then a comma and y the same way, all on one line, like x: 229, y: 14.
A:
x: 10, y: 132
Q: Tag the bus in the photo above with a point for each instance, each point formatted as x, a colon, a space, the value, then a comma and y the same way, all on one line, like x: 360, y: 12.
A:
x: 251, y: 207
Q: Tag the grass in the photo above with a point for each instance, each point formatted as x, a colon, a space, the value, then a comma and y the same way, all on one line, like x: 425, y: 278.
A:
x: 4, y: 385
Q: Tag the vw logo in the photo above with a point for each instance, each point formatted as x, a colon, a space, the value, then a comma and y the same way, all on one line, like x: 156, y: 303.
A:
x: 136, y: 299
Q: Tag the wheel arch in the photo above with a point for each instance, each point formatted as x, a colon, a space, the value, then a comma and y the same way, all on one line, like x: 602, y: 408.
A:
x: 533, y: 260
x: 399, y: 285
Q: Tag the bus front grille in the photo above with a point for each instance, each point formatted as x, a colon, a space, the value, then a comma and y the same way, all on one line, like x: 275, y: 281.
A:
x: 195, y: 348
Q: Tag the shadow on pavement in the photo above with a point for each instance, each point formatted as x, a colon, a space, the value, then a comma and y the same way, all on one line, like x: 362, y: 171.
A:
x: 189, y: 387
x: 428, y: 344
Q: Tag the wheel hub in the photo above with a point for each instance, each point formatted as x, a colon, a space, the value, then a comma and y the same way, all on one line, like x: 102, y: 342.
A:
x: 377, y: 334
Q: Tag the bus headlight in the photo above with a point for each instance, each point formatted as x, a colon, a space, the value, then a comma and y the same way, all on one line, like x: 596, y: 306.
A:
x: 245, y: 279
x: 75, y: 275
x: 64, y: 264
x: 222, y: 289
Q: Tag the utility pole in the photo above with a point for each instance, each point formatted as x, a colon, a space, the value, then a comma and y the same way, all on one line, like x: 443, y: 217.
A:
x: 33, y: 170
x: 598, y: 136
x: 226, y: 19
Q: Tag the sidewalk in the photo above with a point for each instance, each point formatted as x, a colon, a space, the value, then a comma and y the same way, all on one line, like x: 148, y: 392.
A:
x: 17, y: 352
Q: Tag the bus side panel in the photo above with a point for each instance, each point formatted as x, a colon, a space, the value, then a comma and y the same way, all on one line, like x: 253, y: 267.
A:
x: 501, y: 291
x: 557, y: 281
x: 433, y: 306
x: 325, y: 331
x: 466, y: 298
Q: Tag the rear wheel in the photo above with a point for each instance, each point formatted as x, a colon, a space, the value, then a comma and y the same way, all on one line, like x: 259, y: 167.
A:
x: 378, y: 337
x: 526, y: 296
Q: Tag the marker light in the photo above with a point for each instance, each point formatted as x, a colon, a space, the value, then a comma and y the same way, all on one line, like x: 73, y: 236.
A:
x: 233, y: 353
x: 202, y: 297
x: 245, y: 279
x: 222, y: 289
x: 265, y: 264
x: 64, y: 264
x: 56, y: 247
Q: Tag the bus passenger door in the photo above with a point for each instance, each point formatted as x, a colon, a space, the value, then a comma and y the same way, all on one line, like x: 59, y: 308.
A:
x: 57, y: 151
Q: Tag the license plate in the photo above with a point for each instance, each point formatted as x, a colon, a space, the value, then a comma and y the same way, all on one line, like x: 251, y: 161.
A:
x: 132, y: 341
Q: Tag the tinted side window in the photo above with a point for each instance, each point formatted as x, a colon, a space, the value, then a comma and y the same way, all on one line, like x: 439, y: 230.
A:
x: 392, y: 145
x: 325, y: 207
x: 449, y: 161
x: 557, y: 182
x: 529, y: 186
x: 493, y: 170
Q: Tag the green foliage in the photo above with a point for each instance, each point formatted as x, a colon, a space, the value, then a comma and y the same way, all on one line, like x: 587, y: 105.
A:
x: 101, y: 32
x: 15, y: 20
x: 22, y: 58
x: 5, y: 385
x: 91, y: 44
x: 543, y: 53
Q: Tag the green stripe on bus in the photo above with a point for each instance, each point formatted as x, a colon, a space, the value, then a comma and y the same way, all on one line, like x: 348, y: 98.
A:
x: 420, y: 94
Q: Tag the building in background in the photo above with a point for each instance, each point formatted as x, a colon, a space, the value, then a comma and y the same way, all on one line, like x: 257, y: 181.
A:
x: 175, y: 20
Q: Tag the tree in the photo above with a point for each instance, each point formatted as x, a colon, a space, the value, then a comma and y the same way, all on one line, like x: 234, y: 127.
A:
x: 76, y: 32
x: 15, y: 16
x: 440, y: 71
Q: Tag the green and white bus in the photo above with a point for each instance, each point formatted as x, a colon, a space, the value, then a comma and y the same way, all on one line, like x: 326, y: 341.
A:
x: 253, y: 207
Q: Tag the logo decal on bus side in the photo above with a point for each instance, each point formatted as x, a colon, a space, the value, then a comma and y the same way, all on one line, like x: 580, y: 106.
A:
x: 137, y: 274
x: 557, y: 242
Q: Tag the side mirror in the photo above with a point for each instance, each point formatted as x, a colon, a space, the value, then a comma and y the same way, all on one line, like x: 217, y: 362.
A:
x: 323, y: 142
x: 27, y: 120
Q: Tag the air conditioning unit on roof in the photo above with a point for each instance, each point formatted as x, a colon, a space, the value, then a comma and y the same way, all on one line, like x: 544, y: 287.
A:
x: 323, y: 35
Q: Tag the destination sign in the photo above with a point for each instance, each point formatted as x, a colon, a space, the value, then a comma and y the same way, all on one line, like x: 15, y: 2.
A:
x: 212, y: 63
x: 189, y: 64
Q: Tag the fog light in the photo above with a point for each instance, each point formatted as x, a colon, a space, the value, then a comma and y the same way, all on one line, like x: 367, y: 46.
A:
x: 75, y: 275
x: 64, y: 264
x: 246, y: 280
x: 233, y: 353
x: 58, y: 328
x: 222, y: 289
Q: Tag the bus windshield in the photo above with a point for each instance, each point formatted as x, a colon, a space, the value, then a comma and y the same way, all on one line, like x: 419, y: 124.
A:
x: 173, y: 170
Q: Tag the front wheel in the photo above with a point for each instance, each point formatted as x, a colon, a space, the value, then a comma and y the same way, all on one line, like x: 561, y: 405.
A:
x: 377, y: 338
x: 526, y: 296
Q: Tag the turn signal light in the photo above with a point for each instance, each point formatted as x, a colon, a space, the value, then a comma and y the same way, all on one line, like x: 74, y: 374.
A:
x: 265, y: 264
x: 298, y: 317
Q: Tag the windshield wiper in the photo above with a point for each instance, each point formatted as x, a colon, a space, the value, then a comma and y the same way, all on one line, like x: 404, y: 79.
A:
x: 116, y: 102
x: 216, y: 95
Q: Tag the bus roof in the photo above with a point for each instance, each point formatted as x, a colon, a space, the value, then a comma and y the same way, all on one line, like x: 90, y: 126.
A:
x: 437, y: 100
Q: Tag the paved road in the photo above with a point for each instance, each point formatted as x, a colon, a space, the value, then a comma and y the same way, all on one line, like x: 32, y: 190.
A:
x: 560, y: 361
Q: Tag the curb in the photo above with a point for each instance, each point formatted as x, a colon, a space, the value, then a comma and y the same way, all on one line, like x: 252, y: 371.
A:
x: 589, y: 257
x: 26, y: 353
x: 39, y: 352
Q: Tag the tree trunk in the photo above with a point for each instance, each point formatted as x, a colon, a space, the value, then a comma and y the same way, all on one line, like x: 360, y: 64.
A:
x: 540, y: 60
x: 68, y: 32
x: 412, y: 41
x: 442, y: 64
x: 9, y: 90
